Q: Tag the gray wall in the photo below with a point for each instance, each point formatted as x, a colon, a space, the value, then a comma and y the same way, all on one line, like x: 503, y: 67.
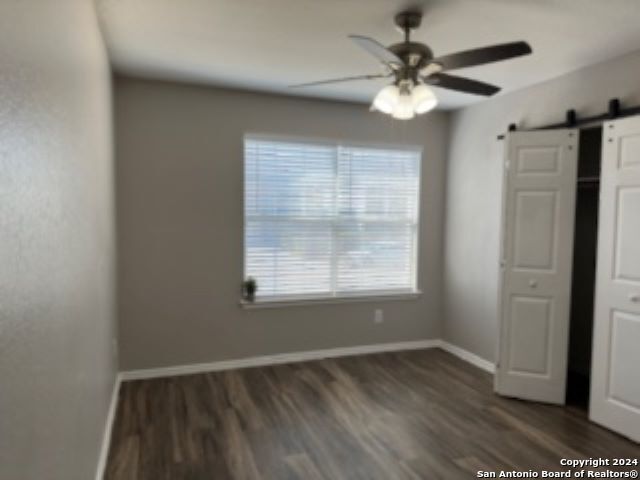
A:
x: 474, y: 187
x: 179, y: 181
x: 57, y: 262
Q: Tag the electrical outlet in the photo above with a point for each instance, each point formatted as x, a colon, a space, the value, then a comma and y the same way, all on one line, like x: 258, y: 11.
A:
x: 378, y: 316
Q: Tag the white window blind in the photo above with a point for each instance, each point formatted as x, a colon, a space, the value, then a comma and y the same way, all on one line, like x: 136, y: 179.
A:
x: 325, y: 220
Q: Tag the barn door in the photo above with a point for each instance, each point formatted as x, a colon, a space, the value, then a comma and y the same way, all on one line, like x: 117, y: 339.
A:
x: 615, y: 380
x: 537, y: 254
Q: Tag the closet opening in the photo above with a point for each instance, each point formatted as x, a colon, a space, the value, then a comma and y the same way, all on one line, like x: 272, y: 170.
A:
x: 584, y: 268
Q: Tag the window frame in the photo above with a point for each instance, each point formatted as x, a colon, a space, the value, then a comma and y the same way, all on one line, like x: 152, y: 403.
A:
x: 335, y: 296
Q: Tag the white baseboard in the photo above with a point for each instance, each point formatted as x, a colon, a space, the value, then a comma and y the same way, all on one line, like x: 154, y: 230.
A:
x: 467, y: 356
x: 277, y: 359
x: 108, y: 428
x: 294, y: 357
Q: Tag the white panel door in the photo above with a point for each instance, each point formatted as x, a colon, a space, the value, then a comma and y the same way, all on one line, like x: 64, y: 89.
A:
x: 537, y: 256
x: 615, y: 370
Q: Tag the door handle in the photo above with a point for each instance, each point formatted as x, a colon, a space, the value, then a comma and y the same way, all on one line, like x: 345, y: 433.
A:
x: 634, y: 297
x: 533, y: 283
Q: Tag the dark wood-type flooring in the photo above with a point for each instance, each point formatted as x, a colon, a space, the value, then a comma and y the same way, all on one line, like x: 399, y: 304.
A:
x: 408, y: 415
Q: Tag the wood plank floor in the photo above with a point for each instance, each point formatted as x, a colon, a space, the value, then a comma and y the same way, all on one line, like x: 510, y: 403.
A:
x: 409, y: 415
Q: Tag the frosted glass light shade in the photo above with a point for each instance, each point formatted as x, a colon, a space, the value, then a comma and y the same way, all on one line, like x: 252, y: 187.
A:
x: 404, y: 108
x: 423, y: 99
x: 387, y: 99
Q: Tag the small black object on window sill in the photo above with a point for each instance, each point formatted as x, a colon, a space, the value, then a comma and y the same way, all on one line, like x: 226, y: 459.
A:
x: 249, y: 289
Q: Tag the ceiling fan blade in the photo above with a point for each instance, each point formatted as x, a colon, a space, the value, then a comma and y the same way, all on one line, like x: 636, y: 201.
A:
x: 378, y: 50
x: 340, y: 80
x: 461, y: 84
x: 480, y: 56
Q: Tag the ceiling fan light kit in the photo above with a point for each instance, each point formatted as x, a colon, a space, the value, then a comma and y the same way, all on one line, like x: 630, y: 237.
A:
x: 405, y: 101
x: 413, y: 68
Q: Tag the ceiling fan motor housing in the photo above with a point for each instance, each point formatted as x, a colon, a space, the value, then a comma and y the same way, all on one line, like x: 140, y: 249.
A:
x: 413, y: 54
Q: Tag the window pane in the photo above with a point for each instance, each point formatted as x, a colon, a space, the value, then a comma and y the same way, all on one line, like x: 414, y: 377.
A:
x: 289, y: 179
x: 375, y: 257
x: 378, y: 184
x: 289, y: 258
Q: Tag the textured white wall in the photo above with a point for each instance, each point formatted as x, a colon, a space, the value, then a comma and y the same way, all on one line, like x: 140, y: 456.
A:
x: 57, y: 363
x: 474, y: 187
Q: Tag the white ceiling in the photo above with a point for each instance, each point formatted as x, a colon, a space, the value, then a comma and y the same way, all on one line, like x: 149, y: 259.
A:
x: 269, y: 44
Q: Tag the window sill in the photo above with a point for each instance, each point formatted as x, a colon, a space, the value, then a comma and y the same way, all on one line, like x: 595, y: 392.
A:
x: 302, y: 301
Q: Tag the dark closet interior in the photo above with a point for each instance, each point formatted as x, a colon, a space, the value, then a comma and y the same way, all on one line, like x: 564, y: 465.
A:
x: 584, y: 267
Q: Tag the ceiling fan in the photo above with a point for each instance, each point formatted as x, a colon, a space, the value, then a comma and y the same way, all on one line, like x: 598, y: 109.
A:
x: 413, y: 66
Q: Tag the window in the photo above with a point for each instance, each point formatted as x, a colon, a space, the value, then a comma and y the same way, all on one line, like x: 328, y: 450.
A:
x: 330, y: 220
